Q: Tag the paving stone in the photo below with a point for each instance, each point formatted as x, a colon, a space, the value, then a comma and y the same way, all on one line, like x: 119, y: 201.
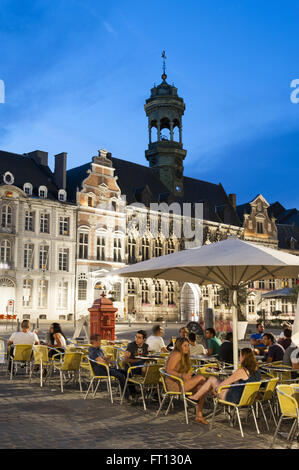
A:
x: 28, y: 415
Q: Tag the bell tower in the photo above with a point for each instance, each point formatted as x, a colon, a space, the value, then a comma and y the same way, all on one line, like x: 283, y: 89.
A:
x: 165, y: 152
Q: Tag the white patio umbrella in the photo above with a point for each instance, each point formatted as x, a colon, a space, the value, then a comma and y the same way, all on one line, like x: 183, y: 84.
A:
x: 231, y: 263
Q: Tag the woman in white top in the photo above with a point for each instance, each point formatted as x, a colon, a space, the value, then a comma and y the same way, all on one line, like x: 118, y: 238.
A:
x: 57, y: 339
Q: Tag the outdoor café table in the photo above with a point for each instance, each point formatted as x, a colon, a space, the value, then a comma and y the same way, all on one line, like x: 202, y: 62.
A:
x: 204, y: 358
x: 280, y: 370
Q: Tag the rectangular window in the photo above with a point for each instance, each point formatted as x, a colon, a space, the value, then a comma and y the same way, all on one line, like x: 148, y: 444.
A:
x: 261, y: 284
x: 62, y: 297
x: 43, y: 257
x: 82, y: 289
x: 251, y: 306
x: 272, y: 306
x: 83, y: 246
x: 45, y: 223
x: 284, y: 306
x: 28, y: 255
x: 29, y: 221
x: 271, y: 284
x: 27, y: 292
x: 117, y: 249
x: 42, y: 293
x: 260, y: 227
x: 64, y: 223
x: 63, y: 256
x: 101, y: 248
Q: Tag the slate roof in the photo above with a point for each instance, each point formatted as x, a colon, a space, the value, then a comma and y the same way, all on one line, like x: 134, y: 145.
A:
x: 133, y: 179
x: 286, y: 233
x: 26, y: 170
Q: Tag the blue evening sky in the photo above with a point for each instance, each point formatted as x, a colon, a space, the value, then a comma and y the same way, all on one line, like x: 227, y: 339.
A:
x: 77, y: 73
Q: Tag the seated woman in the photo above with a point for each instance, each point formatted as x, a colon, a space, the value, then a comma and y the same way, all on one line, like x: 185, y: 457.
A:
x: 248, y: 372
x: 179, y: 365
x: 57, y: 340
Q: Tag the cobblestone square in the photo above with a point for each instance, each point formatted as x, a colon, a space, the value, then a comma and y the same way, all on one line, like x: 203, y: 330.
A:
x: 44, y: 418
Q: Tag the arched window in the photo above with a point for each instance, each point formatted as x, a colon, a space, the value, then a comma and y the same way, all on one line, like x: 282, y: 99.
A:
x: 158, y: 247
x: 170, y: 246
x: 165, y: 129
x: 158, y: 293
x: 5, y: 251
x: 27, y: 189
x: 131, y: 286
x: 6, y: 216
x: 145, y: 247
x: 101, y: 247
x: 144, y: 292
x: 83, y: 245
x: 117, y: 250
x: 170, y: 292
x: 62, y: 195
x: 131, y: 250
x: 43, y: 191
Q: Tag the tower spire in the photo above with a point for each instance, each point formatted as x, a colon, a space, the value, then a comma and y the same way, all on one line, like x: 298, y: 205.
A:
x: 164, y: 76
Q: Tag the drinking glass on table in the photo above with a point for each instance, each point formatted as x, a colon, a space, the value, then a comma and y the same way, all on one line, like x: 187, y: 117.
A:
x: 173, y: 339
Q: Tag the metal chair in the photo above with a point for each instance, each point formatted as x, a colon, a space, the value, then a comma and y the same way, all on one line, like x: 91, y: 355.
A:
x: 87, y: 365
x: 173, y: 394
x: 288, y: 403
x: 246, y: 401
x: 22, y: 353
x: 69, y: 362
x: 265, y: 396
x: 41, y: 359
x: 150, y: 380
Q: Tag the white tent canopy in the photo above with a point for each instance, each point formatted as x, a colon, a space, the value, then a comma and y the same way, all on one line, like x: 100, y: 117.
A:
x: 231, y: 263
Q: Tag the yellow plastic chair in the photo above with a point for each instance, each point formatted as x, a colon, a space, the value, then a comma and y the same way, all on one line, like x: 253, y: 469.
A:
x: 173, y: 394
x: 41, y: 359
x: 68, y: 362
x: 22, y: 354
x: 265, y: 397
x: 150, y: 380
x: 86, y: 364
x: 204, y: 370
x: 246, y: 401
x: 288, y: 403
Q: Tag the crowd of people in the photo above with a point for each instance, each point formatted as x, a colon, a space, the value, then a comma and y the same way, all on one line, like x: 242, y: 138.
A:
x: 264, y: 348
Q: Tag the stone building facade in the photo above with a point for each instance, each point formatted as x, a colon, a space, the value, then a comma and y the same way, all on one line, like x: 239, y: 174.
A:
x: 63, y: 233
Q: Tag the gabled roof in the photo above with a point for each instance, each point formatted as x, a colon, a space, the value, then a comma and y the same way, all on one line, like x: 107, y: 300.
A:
x: 288, y: 236
x: 26, y: 170
x: 284, y: 216
x: 133, y: 179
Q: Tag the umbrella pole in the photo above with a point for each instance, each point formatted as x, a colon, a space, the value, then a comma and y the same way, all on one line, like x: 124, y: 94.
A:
x: 235, y: 328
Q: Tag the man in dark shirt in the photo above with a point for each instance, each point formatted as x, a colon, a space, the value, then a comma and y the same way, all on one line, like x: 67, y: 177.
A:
x: 275, y: 350
x: 96, y: 353
x: 225, y: 353
x: 136, y: 348
x: 286, y: 340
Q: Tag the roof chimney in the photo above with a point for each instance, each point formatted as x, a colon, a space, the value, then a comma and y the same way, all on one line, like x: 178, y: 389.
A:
x: 40, y: 157
x: 60, y: 170
x: 233, y: 200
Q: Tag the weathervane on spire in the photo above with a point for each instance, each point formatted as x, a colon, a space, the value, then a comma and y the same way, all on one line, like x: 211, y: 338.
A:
x: 164, y: 76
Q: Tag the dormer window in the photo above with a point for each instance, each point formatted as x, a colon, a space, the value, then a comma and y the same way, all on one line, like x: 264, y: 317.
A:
x: 260, y: 227
x: 28, y: 189
x: 90, y: 201
x: 8, y: 178
x: 62, y: 195
x: 42, y: 191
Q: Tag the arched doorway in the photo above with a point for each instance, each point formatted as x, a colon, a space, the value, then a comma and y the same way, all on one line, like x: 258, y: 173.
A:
x: 189, y: 302
x: 7, y: 292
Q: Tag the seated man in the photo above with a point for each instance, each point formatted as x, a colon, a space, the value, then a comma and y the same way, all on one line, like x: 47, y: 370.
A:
x: 285, y: 341
x: 256, y: 340
x: 286, y: 361
x: 155, y: 341
x: 96, y: 353
x: 195, y: 348
x: 136, y: 348
x: 214, y: 343
x: 275, y: 350
x: 225, y: 353
x: 21, y: 337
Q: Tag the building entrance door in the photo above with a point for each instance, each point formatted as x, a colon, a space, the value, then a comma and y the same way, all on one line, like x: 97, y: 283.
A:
x: 7, y: 292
